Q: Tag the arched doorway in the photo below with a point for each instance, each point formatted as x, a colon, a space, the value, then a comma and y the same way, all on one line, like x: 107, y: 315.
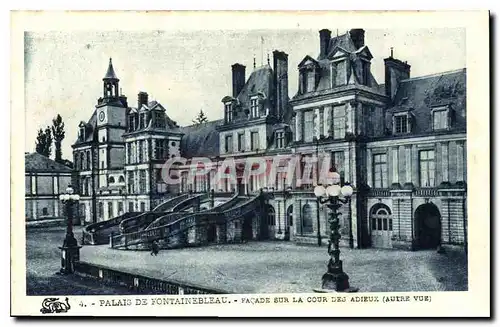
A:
x: 307, y: 219
x: 381, y: 226
x: 427, y: 226
x: 289, y: 223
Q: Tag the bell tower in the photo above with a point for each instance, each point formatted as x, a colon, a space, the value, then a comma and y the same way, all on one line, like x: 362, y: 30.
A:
x: 110, y: 83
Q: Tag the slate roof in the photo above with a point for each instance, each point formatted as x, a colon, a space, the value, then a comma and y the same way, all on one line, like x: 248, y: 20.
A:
x: 35, y: 162
x: 89, y: 129
x: 345, y: 43
x: 110, y: 74
x: 420, y: 95
x: 200, y: 140
x: 170, y: 125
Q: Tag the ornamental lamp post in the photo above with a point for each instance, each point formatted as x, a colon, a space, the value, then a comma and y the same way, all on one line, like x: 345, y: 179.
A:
x: 335, y: 279
x: 287, y: 193
x: 70, y: 250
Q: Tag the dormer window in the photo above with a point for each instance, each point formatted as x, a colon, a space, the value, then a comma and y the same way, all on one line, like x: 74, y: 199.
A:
x: 142, y: 120
x: 310, y: 80
x: 254, y: 107
x: 159, y: 120
x: 280, y: 139
x: 440, y: 118
x: 82, y: 133
x: 228, y: 111
x: 401, y: 123
x: 131, y: 123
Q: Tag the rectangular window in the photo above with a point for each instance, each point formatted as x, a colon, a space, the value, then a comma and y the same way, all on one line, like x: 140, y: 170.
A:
x: 334, y: 74
x: 401, y: 125
x: 141, y: 151
x: 131, y: 123
x: 241, y: 142
x: 308, y: 126
x: 143, y: 207
x: 131, y: 207
x: 120, y: 208
x: 110, y: 210
x: 427, y: 168
x: 439, y: 119
x: 228, y: 112
x: 254, y: 108
x: 338, y: 163
x: 311, y: 81
x: 130, y: 183
x: 339, y: 122
x: 380, y: 170
x: 254, y: 139
x: 280, y: 140
x: 229, y: 144
x: 142, y: 181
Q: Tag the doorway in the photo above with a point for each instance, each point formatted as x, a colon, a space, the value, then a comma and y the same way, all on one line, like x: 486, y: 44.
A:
x: 289, y: 223
x: 428, y: 226
x: 381, y: 225
x: 211, y: 233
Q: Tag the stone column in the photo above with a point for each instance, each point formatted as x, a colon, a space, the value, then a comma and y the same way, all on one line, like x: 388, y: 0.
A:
x: 414, y: 165
x: 298, y: 125
x: 460, y: 162
x: 395, y: 166
x: 408, y: 165
x: 369, y: 168
x: 347, y: 166
x: 444, y: 162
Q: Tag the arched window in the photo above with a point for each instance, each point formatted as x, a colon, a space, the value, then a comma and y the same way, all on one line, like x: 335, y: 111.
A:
x: 307, y: 219
x: 381, y: 217
x: 121, y: 179
x: 289, y: 213
x: 271, y: 216
x: 111, y: 179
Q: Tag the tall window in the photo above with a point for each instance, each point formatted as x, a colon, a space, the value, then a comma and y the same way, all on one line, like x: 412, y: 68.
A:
x: 101, y: 209
x: 380, y: 170
x: 427, y: 168
x: 131, y: 207
x: 308, y: 126
x: 338, y: 163
x: 161, y: 149
x: 254, y: 108
x: 254, y: 140
x: 271, y: 216
x: 311, y: 81
x: 160, y: 120
x: 334, y: 74
x: 338, y: 122
x: 241, y: 142
x: 401, y: 124
x: 229, y: 144
x: 131, y: 123
x: 440, y: 119
x: 280, y: 140
x: 130, y: 183
x: 142, y: 181
x: 110, y: 210
x: 141, y: 151
x: 228, y: 112
x: 88, y: 160
x: 142, y: 120
x: 120, y: 208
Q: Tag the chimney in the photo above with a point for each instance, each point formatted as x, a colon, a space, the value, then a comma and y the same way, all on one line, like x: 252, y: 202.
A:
x: 238, y: 78
x: 324, y: 40
x: 395, y: 72
x: 280, y: 67
x: 357, y: 37
x: 142, y: 98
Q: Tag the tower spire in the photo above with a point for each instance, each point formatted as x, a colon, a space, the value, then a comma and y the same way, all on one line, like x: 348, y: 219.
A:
x: 110, y: 73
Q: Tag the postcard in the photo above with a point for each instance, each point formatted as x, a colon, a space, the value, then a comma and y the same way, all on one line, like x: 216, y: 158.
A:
x: 239, y: 164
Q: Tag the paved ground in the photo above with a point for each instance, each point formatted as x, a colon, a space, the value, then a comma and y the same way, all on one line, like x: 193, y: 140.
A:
x: 43, y: 261
x: 272, y: 267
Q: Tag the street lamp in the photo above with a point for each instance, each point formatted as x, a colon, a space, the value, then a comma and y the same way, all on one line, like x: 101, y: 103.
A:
x: 335, y: 279
x: 316, y: 141
x: 287, y: 193
x: 70, y: 250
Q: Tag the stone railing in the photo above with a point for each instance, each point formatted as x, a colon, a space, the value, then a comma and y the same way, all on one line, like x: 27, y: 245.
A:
x: 142, y: 239
x: 426, y: 192
x: 140, y: 284
x: 98, y: 233
x: 142, y: 221
x: 167, y: 219
x: 379, y: 192
x: 169, y: 204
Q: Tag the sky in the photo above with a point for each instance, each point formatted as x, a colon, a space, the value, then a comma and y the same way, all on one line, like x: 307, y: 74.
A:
x: 189, y: 71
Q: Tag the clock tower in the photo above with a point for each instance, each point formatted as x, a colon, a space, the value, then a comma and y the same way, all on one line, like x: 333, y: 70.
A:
x: 111, y: 123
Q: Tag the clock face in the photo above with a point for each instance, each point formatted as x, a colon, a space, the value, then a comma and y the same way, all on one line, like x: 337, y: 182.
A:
x: 102, y: 115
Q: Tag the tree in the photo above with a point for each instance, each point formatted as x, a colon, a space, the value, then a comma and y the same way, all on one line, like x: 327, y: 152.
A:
x: 58, y: 134
x: 200, y: 118
x: 44, y: 142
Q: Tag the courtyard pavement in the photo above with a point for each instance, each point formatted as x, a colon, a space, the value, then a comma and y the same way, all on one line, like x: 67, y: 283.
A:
x: 283, y: 267
x: 43, y: 260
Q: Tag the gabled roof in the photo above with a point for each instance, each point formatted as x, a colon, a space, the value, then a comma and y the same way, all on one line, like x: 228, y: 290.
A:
x: 110, y: 73
x: 308, y: 59
x: 200, y: 140
x: 343, y: 41
x: 261, y: 80
x: 420, y: 95
x: 34, y: 162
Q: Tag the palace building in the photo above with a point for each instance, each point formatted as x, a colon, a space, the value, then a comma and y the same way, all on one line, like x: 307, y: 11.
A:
x: 401, y: 144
